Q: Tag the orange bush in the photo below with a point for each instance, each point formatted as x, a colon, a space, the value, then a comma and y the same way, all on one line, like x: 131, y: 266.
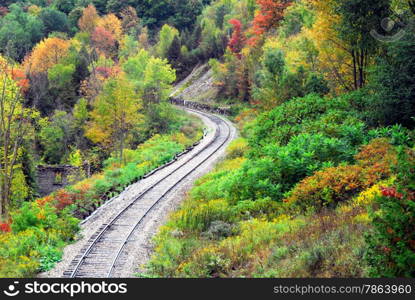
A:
x: 45, y: 200
x: 336, y: 184
x: 63, y: 199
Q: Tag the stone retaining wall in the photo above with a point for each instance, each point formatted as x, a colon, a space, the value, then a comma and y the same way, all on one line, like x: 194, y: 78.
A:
x: 52, y: 178
x: 201, y: 106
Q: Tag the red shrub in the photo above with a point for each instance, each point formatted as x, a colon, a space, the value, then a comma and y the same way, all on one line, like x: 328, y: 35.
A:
x: 336, y: 184
x: 5, y: 227
x: 391, y: 192
x: 63, y: 199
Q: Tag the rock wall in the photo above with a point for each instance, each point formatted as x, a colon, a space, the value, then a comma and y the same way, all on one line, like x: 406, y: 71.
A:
x: 201, y: 106
x: 52, y: 178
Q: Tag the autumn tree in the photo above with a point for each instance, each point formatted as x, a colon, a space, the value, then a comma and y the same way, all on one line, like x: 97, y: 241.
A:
x: 143, y: 39
x: 44, y: 57
x: 100, y: 70
x: 115, y: 112
x: 46, y: 54
x: 270, y: 14
x: 341, y: 33
x: 129, y: 19
x: 237, y: 40
x: 104, y: 41
x: 3, y: 11
x: 89, y: 19
x: 112, y: 24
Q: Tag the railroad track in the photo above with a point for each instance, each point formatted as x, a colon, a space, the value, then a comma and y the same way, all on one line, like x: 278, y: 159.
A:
x: 106, y: 252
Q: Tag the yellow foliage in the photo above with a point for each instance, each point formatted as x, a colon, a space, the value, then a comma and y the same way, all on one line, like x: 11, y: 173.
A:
x: 334, y: 59
x: 89, y: 19
x: 232, y: 164
x: 46, y: 54
x: 237, y: 148
x: 34, y: 10
x: 296, y: 55
x: 143, y: 165
x: 362, y: 218
x: 367, y: 197
x: 115, y: 110
x: 112, y: 24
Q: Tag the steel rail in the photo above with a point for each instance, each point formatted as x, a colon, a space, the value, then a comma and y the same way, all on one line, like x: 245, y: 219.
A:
x: 95, y: 241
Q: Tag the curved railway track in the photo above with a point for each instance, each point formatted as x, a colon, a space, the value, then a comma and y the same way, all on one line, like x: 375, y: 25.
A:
x: 106, y: 252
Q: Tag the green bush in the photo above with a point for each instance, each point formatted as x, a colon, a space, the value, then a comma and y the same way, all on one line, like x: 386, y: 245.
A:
x: 279, y: 125
x: 398, y: 135
x: 282, y: 167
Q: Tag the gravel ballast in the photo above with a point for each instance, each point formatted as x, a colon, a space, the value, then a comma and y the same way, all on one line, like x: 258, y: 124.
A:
x: 141, y: 252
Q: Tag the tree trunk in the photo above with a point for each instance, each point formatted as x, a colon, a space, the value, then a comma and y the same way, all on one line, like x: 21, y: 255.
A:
x: 354, y: 70
x: 362, y: 69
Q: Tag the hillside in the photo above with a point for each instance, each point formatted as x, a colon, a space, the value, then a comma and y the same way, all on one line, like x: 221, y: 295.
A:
x: 198, y: 86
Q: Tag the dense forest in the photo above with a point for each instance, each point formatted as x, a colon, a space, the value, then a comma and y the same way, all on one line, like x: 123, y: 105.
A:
x: 321, y: 182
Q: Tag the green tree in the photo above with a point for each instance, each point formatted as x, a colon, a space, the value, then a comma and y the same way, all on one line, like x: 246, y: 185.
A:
x: 152, y: 78
x: 166, y: 38
x: 115, y: 112
x: 65, y: 6
x: 390, y: 97
x: 80, y: 116
x: 174, y: 55
x: 19, y: 32
x: 54, y: 20
x: 15, y: 128
x: 116, y: 6
x: 358, y: 19
x: 153, y: 13
x: 316, y: 84
x: 55, y: 137
x: 185, y: 13
x: 73, y: 18
x: 60, y: 78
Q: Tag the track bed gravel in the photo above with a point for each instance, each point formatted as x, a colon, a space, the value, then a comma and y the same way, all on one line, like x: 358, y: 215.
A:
x: 138, y: 252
